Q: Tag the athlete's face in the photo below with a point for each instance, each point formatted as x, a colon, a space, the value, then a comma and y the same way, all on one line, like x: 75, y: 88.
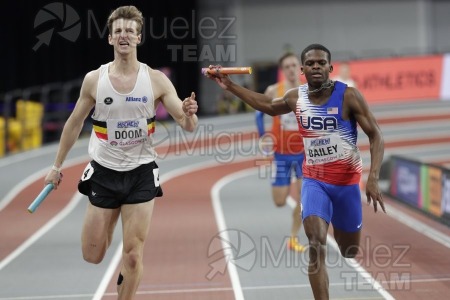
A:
x: 316, y: 67
x: 124, y: 36
x: 290, y: 66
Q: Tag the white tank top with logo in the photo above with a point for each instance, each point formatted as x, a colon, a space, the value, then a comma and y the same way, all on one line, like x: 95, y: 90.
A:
x: 123, y: 124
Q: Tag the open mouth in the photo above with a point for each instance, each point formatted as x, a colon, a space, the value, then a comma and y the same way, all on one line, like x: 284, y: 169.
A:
x: 124, y: 44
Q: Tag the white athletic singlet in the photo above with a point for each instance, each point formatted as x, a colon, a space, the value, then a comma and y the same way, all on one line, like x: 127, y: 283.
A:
x: 123, y: 124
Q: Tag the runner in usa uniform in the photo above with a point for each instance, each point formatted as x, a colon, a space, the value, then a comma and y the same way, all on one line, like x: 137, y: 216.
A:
x: 327, y: 113
x: 123, y: 178
x: 288, y: 146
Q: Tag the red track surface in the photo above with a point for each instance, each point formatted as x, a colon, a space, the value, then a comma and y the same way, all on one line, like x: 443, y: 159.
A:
x: 183, y: 226
x: 391, y: 249
x: 17, y: 209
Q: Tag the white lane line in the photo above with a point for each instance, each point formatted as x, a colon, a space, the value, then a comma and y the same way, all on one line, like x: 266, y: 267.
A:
x: 109, y: 273
x: 35, y: 176
x: 215, y: 194
x: 43, y: 230
x: 224, y: 289
x: 221, y: 224
x: 354, y: 264
x: 418, y: 226
x: 291, y: 202
x: 164, y: 178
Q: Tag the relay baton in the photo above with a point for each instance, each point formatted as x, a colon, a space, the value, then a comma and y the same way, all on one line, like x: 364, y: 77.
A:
x: 227, y: 70
x: 41, y: 197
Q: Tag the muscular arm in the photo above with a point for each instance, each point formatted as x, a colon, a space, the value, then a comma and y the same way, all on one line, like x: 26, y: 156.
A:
x: 258, y: 101
x: 74, y: 124
x: 360, y: 110
x: 183, y: 112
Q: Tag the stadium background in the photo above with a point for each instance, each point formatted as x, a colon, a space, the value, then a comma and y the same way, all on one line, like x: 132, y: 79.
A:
x: 398, y: 51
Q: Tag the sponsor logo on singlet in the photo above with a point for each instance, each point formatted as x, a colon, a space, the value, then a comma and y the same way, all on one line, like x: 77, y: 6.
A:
x: 108, y: 100
x: 137, y: 99
x: 127, y: 124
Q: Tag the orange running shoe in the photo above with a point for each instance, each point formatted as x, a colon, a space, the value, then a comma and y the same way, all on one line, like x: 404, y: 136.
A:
x: 294, y: 245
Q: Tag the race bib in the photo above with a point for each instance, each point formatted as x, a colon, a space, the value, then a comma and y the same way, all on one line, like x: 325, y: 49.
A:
x: 323, y: 150
x: 123, y: 133
x: 289, y: 122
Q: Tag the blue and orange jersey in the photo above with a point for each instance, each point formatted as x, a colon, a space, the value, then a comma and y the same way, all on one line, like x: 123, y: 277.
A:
x: 287, y: 139
x: 331, y: 154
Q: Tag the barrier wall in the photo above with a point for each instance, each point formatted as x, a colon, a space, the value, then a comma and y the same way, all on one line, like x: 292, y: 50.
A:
x: 401, y: 79
x: 421, y: 185
x: 398, y: 79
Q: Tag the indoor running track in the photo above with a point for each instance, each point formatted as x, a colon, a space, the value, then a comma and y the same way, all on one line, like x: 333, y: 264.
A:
x: 216, y: 233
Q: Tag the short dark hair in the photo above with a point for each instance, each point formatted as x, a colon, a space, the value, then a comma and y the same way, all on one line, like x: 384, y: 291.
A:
x: 284, y: 56
x: 315, y: 47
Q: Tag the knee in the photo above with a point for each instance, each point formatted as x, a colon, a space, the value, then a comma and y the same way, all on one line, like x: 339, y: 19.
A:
x: 279, y: 203
x: 92, y: 257
x: 94, y: 252
x: 317, y: 251
x: 132, y: 259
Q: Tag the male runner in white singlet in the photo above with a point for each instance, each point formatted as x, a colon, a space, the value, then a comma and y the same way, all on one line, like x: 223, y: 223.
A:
x: 122, y: 178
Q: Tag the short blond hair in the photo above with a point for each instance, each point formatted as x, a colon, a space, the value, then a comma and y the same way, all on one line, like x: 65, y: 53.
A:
x: 286, y: 55
x: 126, y: 12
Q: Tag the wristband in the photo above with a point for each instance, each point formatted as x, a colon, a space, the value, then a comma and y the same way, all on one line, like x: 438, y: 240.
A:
x: 55, y: 168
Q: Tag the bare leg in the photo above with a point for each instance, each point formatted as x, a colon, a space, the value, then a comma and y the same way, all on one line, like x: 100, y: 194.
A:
x: 98, y: 228
x: 296, y: 216
x: 136, y: 223
x: 348, y: 242
x: 280, y: 194
x: 316, y: 230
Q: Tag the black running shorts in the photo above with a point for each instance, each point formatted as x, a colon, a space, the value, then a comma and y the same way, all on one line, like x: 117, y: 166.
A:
x: 108, y: 188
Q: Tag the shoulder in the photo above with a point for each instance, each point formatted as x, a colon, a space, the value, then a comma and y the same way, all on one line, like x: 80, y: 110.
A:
x: 160, y: 82
x: 92, y: 76
x: 291, y: 97
x: 352, y: 94
x: 158, y: 78
x: 354, y: 100
x: 271, y: 90
x: 90, y: 80
x: 156, y: 74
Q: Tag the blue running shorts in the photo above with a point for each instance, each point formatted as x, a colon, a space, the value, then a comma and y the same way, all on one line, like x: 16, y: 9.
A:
x: 338, y: 204
x: 282, y: 168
